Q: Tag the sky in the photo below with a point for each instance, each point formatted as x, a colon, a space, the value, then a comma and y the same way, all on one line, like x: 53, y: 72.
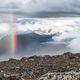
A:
x: 59, y: 15
x: 41, y: 8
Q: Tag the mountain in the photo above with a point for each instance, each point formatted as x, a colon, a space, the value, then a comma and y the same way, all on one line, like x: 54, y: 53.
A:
x: 24, y: 40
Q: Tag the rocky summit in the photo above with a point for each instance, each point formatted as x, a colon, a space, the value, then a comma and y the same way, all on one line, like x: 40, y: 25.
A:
x: 42, y: 67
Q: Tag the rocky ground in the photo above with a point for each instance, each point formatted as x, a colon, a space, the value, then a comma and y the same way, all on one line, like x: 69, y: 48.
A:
x: 32, y: 68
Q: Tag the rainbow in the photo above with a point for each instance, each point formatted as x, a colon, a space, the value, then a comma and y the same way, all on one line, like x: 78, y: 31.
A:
x: 13, y: 39
x: 13, y: 42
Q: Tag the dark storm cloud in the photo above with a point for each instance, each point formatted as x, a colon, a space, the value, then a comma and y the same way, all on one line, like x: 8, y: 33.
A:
x: 42, y: 8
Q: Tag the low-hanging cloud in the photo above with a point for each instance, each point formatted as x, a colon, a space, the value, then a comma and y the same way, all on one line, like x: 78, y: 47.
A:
x: 73, y: 45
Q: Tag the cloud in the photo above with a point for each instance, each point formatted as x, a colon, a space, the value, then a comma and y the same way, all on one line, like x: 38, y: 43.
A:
x: 74, y: 45
x: 43, y: 8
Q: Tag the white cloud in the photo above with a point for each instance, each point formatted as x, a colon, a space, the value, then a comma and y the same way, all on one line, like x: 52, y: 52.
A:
x: 4, y: 27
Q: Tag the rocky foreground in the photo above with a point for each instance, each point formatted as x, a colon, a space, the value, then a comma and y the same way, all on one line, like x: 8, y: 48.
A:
x: 42, y: 68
